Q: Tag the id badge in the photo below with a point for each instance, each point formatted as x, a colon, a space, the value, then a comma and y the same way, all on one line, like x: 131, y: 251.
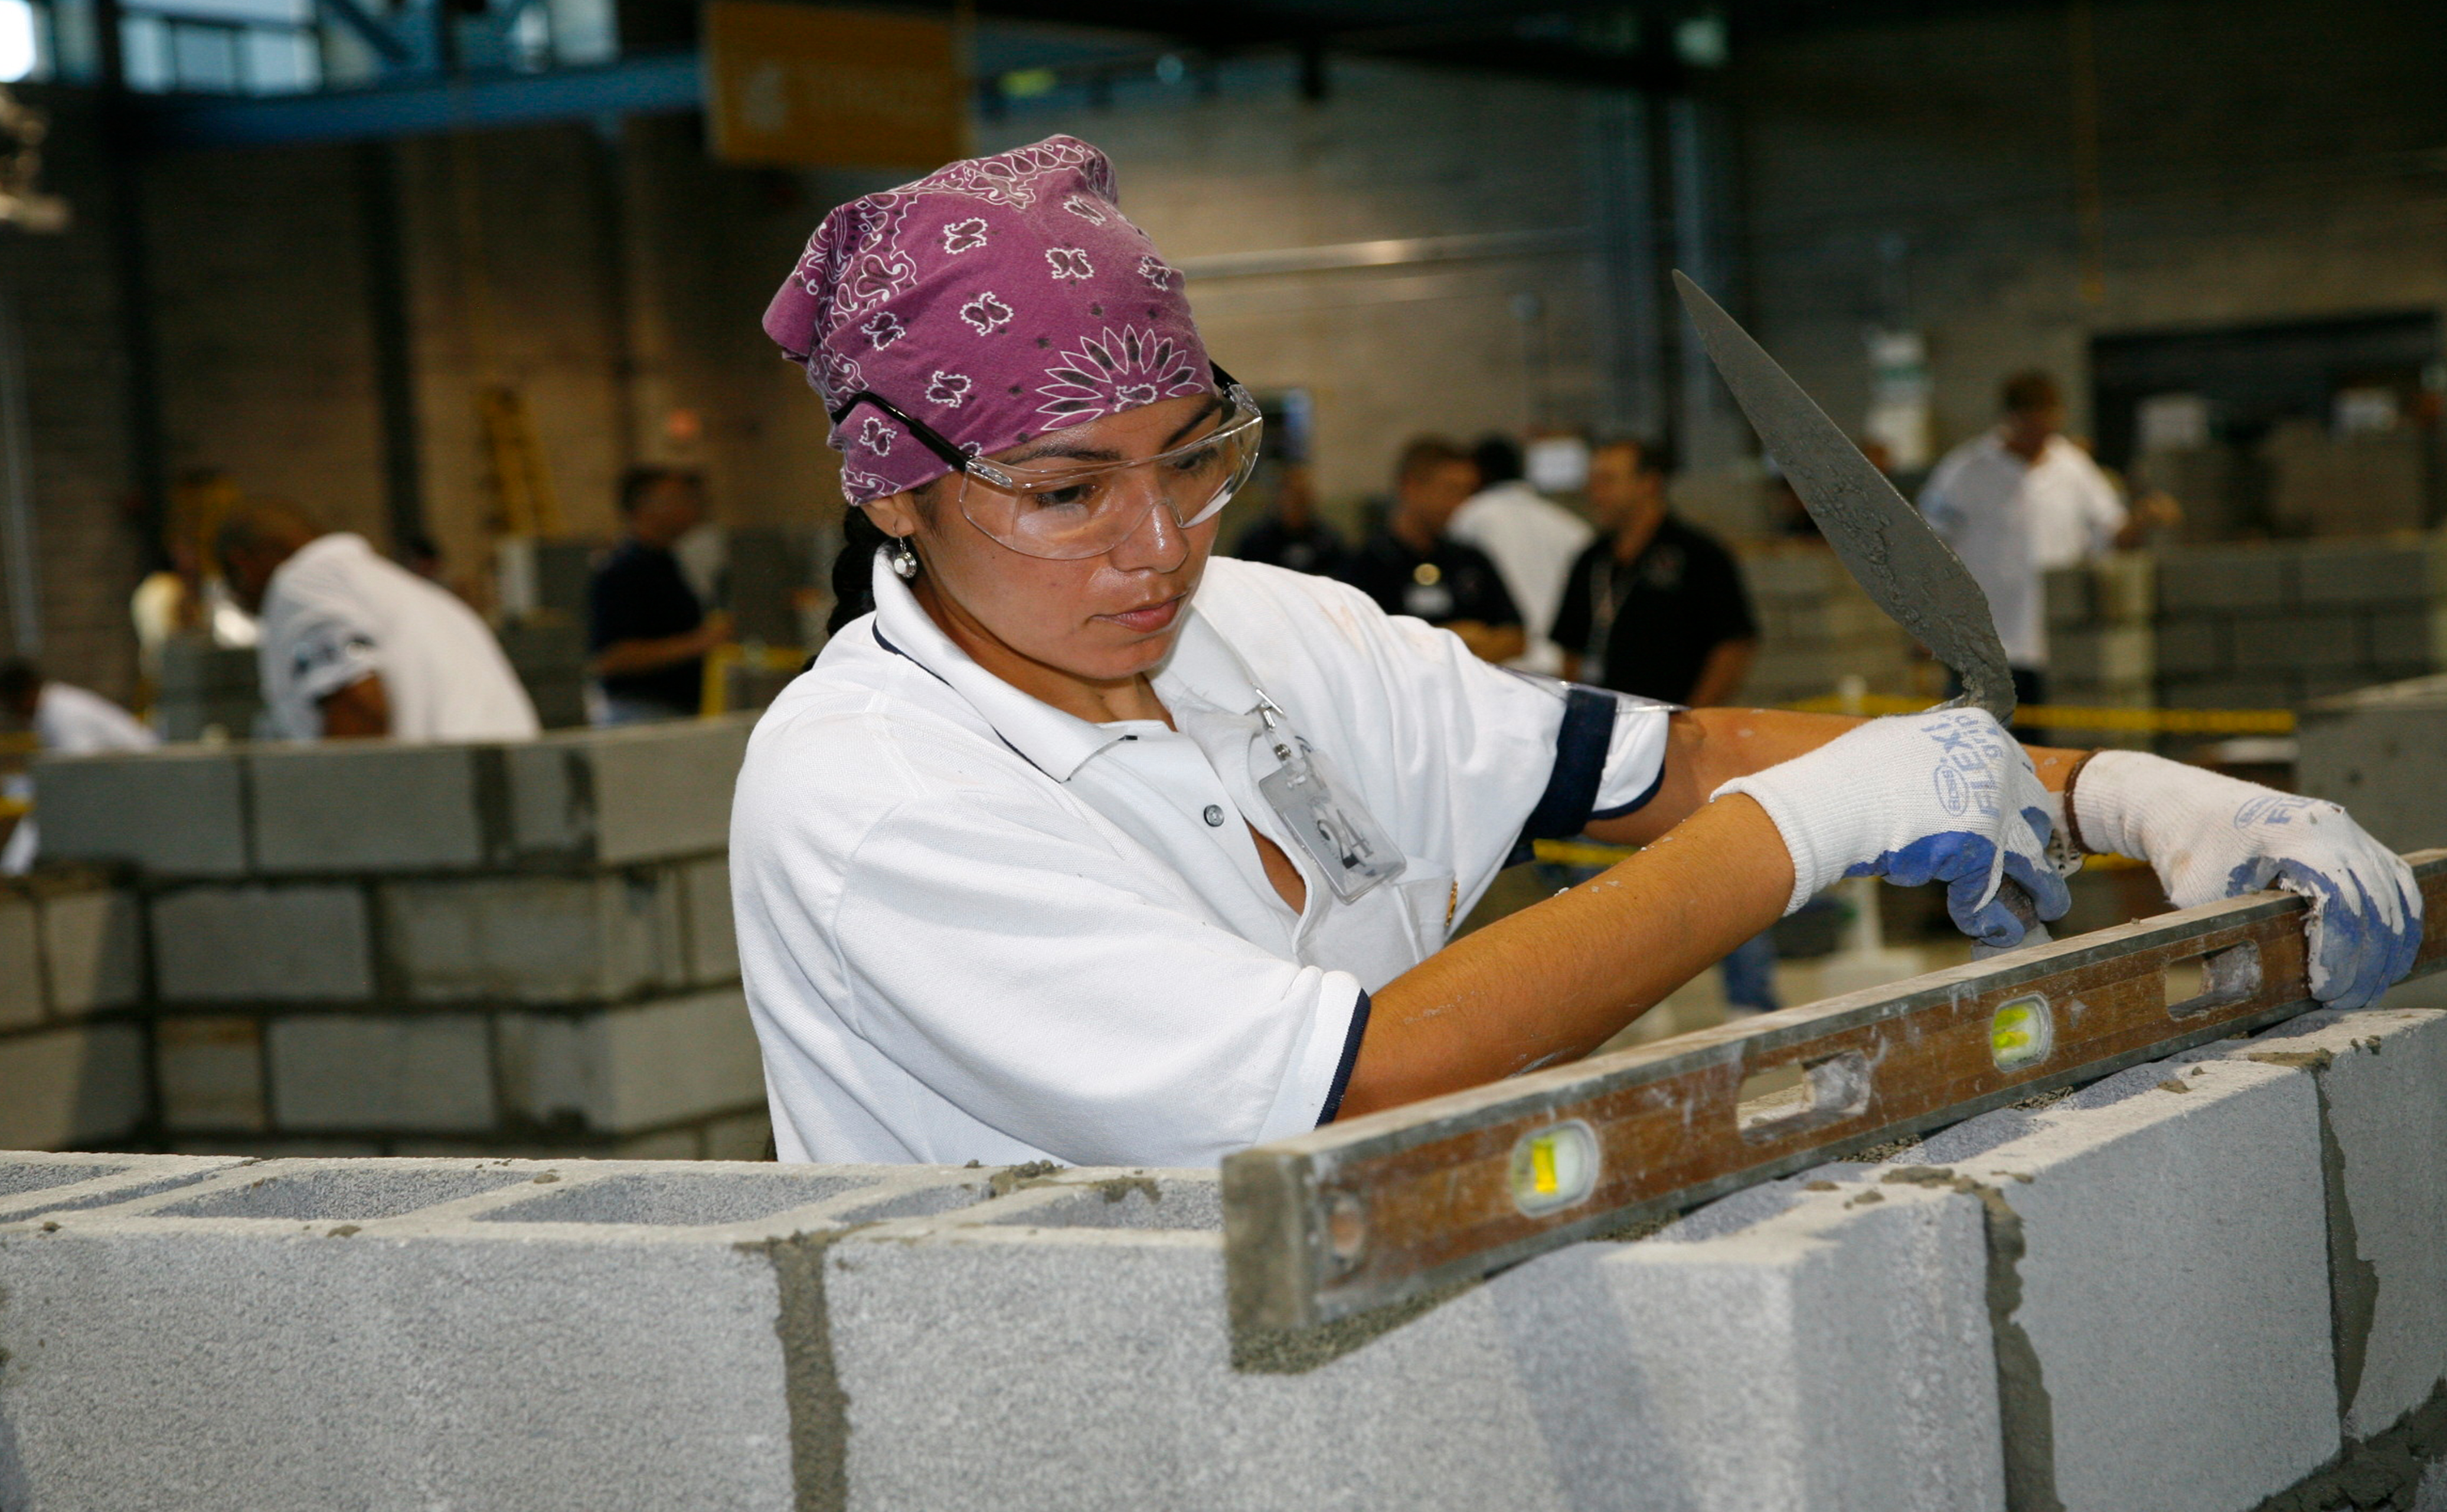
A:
x: 1327, y: 818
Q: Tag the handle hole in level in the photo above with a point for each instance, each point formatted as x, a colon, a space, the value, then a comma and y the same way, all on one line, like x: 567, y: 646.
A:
x: 1788, y: 1098
x: 2220, y: 978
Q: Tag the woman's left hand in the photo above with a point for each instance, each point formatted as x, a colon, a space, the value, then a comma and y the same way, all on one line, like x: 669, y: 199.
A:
x: 2210, y: 837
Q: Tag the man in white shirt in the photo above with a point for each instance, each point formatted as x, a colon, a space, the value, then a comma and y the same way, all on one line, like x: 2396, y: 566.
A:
x: 66, y: 720
x: 2016, y: 503
x: 1533, y: 539
x: 356, y: 646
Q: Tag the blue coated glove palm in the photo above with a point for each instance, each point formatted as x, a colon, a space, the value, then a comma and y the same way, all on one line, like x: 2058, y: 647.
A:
x: 2210, y: 837
x: 1945, y: 796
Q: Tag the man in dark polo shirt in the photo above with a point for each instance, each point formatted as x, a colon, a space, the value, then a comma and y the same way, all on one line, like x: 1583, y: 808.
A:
x: 1657, y: 607
x: 646, y: 631
x: 1408, y: 566
x: 1653, y: 607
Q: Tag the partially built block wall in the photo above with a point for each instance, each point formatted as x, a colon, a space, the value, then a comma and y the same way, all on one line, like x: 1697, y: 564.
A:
x: 2209, y: 1285
x: 2275, y: 626
x: 2271, y: 625
x: 1818, y: 628
x: 388, y: 949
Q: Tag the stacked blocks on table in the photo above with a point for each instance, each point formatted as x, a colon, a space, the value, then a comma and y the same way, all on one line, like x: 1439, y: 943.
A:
x: 368, y: 949
x: 1816, y: 628
x: 2131, y: 1297
x: 2274, y: 626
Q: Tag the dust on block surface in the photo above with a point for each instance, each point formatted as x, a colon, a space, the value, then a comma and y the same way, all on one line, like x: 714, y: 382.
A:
x: 17, y: 1179
x: 1131, y: 1202
x: 678, y: 1198
x: 357, y: 1193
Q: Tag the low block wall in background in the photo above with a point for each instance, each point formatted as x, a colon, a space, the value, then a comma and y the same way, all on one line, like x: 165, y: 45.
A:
x: 2194, y: 1286
x: 515, y: 948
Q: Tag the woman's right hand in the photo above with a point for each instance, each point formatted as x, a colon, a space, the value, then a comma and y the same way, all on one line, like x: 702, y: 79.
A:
x: 1943, y: 796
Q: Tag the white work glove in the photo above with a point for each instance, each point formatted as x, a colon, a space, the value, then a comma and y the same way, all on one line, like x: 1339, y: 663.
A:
x: 2210, y: 837
x: 1945, y: 796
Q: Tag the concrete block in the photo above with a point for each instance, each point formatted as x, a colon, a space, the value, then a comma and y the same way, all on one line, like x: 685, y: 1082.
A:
x: 665, y: 789
x: 208, y: 1073
x: 32, y: 1184
x: 261, y: 944
x: 630, y: 1069
x: 1065, y: 1347
x: 531, y: 940
x: 2253, y: 577
x: 2401, y: 637
x: 2361, y: 574
x: 2124, y: 588
x: 1799, y: 573
x: 2383, y: 753
x: 21, y: 961
x: 176, y: 812
x: 193, y: 668
x: 93, y: 950
x: 2109, y: 654
x: 576, y: 1336
x: 2067, y: 593
x: 617, y: 796
x: 2174, y: 1289
x: 427, y: 1074
x: 74, y: 1087
x: 2193, y: 647
x: 367, y: 805
x: 746, y: 1137
x: 2384, y: 1146
x: 2326, y: 640
x: 713, y: 936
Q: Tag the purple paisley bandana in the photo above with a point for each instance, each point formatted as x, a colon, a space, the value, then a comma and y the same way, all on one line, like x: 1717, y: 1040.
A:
x: 993, y: 299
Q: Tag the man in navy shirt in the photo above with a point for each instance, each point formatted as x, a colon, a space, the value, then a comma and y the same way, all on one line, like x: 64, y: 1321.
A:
x: 1410, y: 566
x: 646, y: 631
x: 1653, y: 607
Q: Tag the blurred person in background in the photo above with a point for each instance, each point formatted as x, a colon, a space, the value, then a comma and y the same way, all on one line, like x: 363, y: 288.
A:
x: 1531, y: 539
x: 647, y: 630
x: 356, y: 646
x: 64, y: 720
x: 1290, y: 534
x: 2020, y: 500
x: 1655, y: 607
x: 1410, y: 566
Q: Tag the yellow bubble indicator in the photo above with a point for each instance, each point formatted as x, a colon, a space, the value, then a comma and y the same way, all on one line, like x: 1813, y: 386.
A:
x: 1554, y: 1168
x: 2021, y: 1033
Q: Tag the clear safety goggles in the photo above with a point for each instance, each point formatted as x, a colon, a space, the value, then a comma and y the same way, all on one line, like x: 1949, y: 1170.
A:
x: 1064, y: 509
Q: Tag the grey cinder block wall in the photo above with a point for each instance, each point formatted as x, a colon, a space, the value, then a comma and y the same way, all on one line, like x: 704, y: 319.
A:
x: 2197, y: 1286
x: 374, y: 949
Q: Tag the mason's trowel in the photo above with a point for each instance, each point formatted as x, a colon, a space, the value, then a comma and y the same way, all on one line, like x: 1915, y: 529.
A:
x: 1880, y: 538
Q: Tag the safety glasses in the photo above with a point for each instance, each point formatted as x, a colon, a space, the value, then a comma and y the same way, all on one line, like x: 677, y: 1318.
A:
x: 1064, y: 509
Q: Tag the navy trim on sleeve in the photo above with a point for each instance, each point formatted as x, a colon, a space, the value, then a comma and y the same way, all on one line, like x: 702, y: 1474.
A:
x: 1581, y: 745
x: 1637, y: 804
x: 1350, y: 1058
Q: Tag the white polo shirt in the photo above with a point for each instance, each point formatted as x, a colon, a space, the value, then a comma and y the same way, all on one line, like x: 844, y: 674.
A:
x: 73, y: 721
x: 2011, y: 521
x: 1533, y: 543
x: 974, y: 927
x: 337, y: 613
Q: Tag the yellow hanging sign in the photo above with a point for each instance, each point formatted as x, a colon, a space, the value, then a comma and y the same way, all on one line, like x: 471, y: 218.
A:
x: 795, y: 85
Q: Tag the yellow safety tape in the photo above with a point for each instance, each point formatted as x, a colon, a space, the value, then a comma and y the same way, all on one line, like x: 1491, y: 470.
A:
x: 719, y: 661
